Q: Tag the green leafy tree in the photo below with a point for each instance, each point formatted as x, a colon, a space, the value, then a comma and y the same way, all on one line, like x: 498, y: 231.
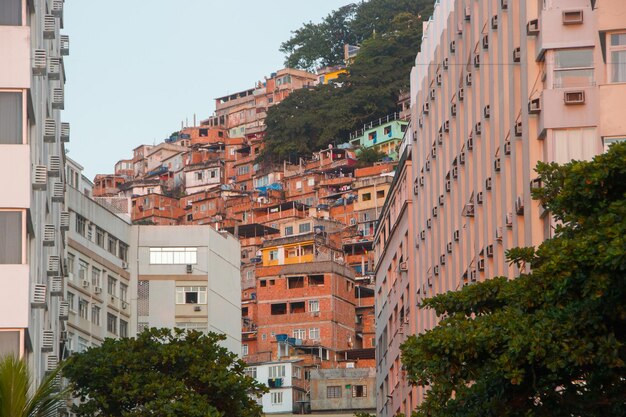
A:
x: 18, y: 398
x: 551, y: 342
x: 163, y: 373
x: 369, y: 156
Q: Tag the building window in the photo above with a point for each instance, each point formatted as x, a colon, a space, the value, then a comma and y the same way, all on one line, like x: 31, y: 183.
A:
x: 277, y: 398
x: 83, y: 345
x: 288, y: 230
x: 99, y: 237
x: 314, y: 306
x: 299, y: 334
x: 316, y: 280
x: 71, y: 260
x: 380, y: 194
x: 243, y: 169
x: 199, y: 176
x: 296, y: 307
x: 95, y: 277
x: 304, y: 227
x: 279, y: 309
x: 273, y: 255
x: 111, y: 323
x: 70, y: 301
x: 359, y: 390
x: 112, y: 245
x: 611, y: 141
x: 244, y: 350
x: 193, y: 326
x: 333, y: 391
x: 173, y: 256
x: 10, y: 236
x: 250, y: 371
x: 10, y: 14
x: 83, y: 308
x: 95, y: 315
x: 617, y: 57
x: 81, y: 224
x: 573, y: 68
x: 372, y: 136
x: 111, y: 285
x: 297, y: 372
x: 277, y: 371
x: 123, y: 292
x: 366, y: 197
x: 123, y: 255
x: 314, y: 334
x: 191, y: 295
x: 10, y: 106
x: 311, y: 181
x: 123, y: 328
x: 387, y: 131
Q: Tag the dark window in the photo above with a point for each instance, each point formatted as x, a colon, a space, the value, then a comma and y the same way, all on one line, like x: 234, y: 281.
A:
x: 244, y: 311
x: 191, y: 298
x: 279, y: 309
x: 204, y: 133
x: 316, y: 280
x: 10, y: 111
x: 380, y: 193
x: 295, y: 282
x: 263, y: 283
x: 359, y: 390
x: 9, y: 343
x: 333, y: 391
x: 10, y: 14
x: 403, y: 128
x: 297, y: 307
x: 388, y: 131
x: 10, y: 237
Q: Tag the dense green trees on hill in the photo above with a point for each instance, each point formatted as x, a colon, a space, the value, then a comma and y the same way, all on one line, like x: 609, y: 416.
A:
x: 389, y: 33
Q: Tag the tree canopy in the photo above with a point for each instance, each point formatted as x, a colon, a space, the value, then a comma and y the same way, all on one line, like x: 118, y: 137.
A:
x: 552, y: 341
x: 163, y: 373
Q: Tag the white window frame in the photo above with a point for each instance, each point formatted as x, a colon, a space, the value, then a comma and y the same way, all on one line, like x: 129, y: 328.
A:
x: 277, y: 371
x: 244, y: 350
x: 314, y: 306
x: 314, y: 333
x: 277, y: 397
x: 181, y: 295
x: 299, y: 334
x: 608, y: 141
x: 609, y: 55
x: 174, y: 256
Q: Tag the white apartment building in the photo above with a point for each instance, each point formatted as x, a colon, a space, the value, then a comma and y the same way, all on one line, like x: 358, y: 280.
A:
x: 98, y: 293
x: 286, y: 381
x: 33, y: 220
x: 186, y: 277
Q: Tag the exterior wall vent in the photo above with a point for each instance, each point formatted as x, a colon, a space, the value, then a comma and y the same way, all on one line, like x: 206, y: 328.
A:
x: 40, y: 178
x: 40, y: 62
x: 449, y: 247
x: 54, y: 264
x: 509, y: 220
x: 448, y: 186
x: 49, y: 131
x: 433, y: 94
x: 468, y: 79
x: 519, y: 205
x: 452, y: 46
x: 52, y: 362
x: 439, y: 79
x: 461, y: 94
x: 49, y: 233
x: 47, y: 341
x: 478, y: 128
x: 64, y: 310
x: 58, y: 99
x: 442, y: 200
x: 507, y: 147
x: 39, y: 296
x: 481, y: 264
x: 54, y: 166
x: 499, y: 234
x: 49, y: 26
x: 470, y: 144
x: 58, y: 192
x: 435, y: 211
x: 497, y: 165
x: 429, y: 223
x: 456, y: 235
x: 479, y: 198
x: 573, y: 17
x: 504, y: 4
x: 57, y: 8
x: 476, y: 61
x: 54, y: 68
x: 519, y: 129
x: 56, y: 287
x: 488, y: 184
x: 65, y: 220
x: 445, y: 63
x: 453, y: 109
x: 462, y: 158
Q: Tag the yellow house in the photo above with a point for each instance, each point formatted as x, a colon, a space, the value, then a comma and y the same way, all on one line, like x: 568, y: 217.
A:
x: 288, y: 254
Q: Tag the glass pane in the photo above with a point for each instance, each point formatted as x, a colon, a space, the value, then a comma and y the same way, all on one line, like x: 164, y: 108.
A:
x: 10, y: 13
x: 10, y: 113
x: 618, y: 39
x: 573, y: 78
x: 574, y: 58
x: 618, y: 66
x: 10, y: 237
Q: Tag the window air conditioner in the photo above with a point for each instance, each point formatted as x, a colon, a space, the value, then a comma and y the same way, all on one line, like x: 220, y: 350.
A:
x: 574, y: 97
x: 532, y: 28
x: 40, y: 62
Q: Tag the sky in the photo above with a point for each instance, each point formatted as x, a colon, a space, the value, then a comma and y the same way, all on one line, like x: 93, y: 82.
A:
x: 138, y: 68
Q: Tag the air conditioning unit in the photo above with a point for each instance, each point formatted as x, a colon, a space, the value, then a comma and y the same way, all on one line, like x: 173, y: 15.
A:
x: 504, y: 4
x: 488, y: 184
x: 453, y: 109
x: 423, y: 235
x: 63, y: 336
x: 64, y: 310
x: 456, y: 235
x: 58, y: 99
x: 39, y: 296
x: 189, y: 268
x: 574, y: 97
x: 52, y: 361
x: 508, y: 220
x: 461, y: 94
x: 97, y: 290
x: 433, y: 153
x: 481, y: 264
x: 124, y: 305
x: 65, y: 220
x: 56, y: 286
x: 473, y: 275
x: 494, y: 22
x: 420, y: 121
x: 426, y: 108
x: 470, y: 144
x: 316, y: 314
x: 479, y: 198
x: 49, y: 234
x: 58, y: 192
x: 197, y: 308
x: 534, y: 106
x: 416, y: 188
x: 40, y: 62
x: 517, y: 54
x: 489, y: 251
x: 442, y: 199
x: 47, y: 340
x: 49, y: 131
x: 468, y: 12
x: 54, y: 166
x: 404, y: 266
x: 65, y: 45
x: 429, y: 223
x: 442, y: 259
x: 462, y: 158
x: 439, y: 79
x: 499, y: 234
x: 85, y: 283
x: 536, y: 183
x: 40, y: 177
x: 452, y: 46
x: 124, y: 265
x: 519, y: 205
x: 449, y: 247
x: 427, y: 166
x: 485, y: 41
x: 478, y: 128
x: 468, y: 210
x: 507, y: 148
x: 57, y: 8
x: 54, y: 265
x: 497, y: 165
x: 422, y: 181
x: 455, y: 172
x: 532, y: 27
x: 49, y: 26
x: 445, y: 63
x: 519, y: 129
x: 440, y: 137
x: 468, y: 79
x: 65, y: 132
x: 54, y: 68
x: 573, y: 17
x: 448, y: 186
x: 435, y: 211
x: 435, y: 271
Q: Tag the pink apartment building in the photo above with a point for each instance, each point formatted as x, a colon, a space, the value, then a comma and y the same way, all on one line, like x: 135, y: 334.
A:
x: 498, y: 86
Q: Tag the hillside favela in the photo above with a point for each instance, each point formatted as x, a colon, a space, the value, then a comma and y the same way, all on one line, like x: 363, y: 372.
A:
x: 419, y: 210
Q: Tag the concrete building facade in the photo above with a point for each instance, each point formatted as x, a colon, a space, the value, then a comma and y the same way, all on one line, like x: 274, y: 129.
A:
x: 498, y: 86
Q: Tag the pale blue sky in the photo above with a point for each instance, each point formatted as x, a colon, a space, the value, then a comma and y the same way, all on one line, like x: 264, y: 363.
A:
x: 137, y: 68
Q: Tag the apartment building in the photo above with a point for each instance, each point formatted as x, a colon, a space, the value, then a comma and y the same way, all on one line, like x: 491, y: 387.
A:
x: 384, y: 134
x: 33, y: 217
x: 98, y: 294
x: 498, y: 86
x: 186, y: 277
